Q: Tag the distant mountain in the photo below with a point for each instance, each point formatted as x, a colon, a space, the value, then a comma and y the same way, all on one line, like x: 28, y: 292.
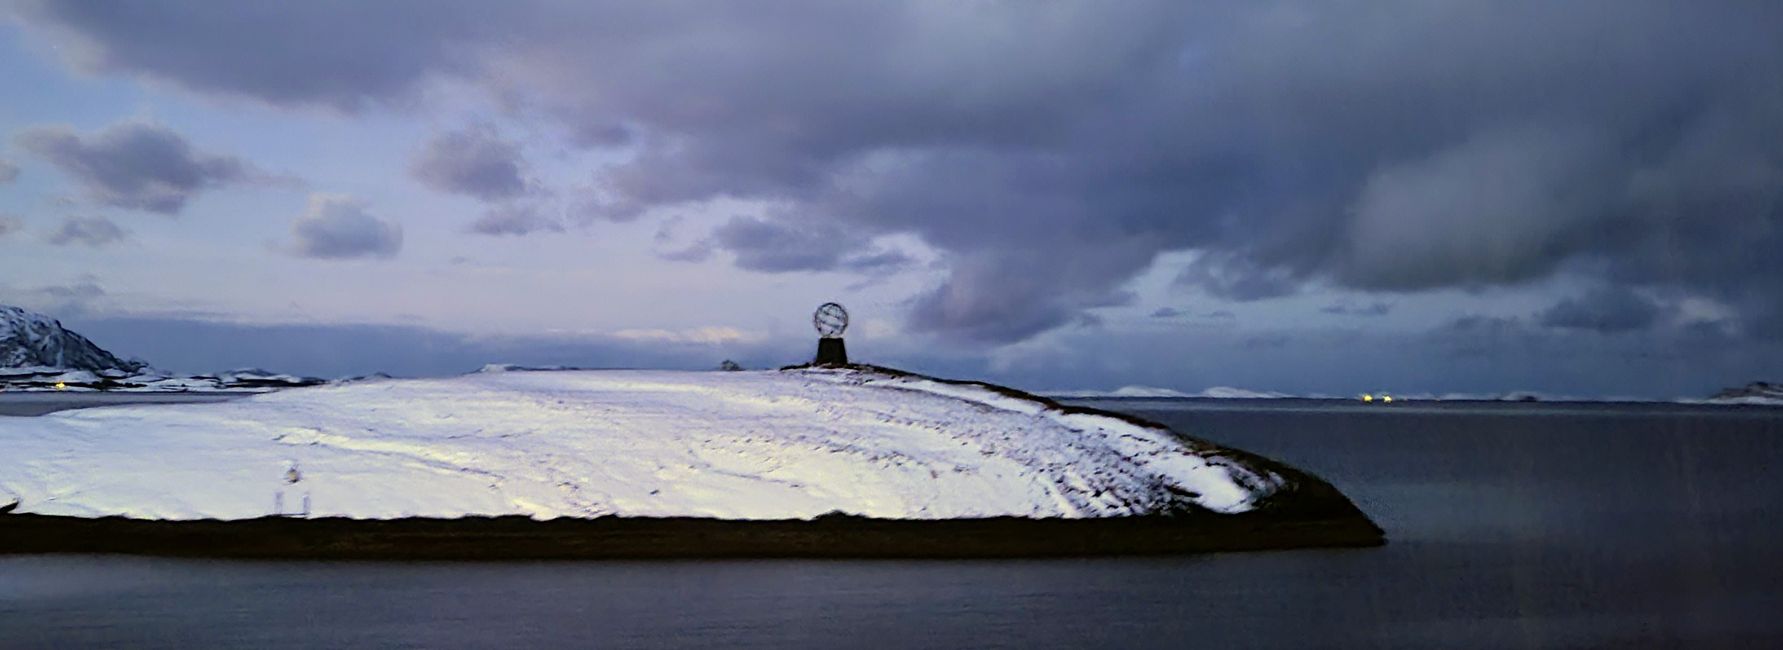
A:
x: 32, y: 340
x: 1758, y: 392
x: 1217, y: 392
x: 38, y: 354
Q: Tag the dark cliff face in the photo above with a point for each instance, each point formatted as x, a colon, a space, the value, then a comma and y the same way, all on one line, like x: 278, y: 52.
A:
x: 32, y: 339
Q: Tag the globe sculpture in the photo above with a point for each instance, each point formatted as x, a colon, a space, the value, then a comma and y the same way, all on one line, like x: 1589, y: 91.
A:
x: 830, y: 320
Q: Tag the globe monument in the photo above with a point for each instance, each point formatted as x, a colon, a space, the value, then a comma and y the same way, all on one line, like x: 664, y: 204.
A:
x: 831, y: 320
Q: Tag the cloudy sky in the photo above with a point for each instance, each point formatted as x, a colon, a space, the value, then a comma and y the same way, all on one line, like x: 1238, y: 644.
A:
x: 1581, y: 197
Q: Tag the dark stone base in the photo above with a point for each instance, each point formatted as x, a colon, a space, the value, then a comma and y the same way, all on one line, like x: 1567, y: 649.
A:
x: 831, y: 352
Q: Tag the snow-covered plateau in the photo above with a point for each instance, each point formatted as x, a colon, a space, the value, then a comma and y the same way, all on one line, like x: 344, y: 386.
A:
x: 787, y: 444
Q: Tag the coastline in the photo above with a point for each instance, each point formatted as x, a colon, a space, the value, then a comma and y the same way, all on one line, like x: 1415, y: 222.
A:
x: 21, y: 403
x: 621, y: 538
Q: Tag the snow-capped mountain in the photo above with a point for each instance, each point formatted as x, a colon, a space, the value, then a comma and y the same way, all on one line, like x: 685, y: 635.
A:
x: 29, y: 339
x: 1758, y: 392
x: 38, y: 354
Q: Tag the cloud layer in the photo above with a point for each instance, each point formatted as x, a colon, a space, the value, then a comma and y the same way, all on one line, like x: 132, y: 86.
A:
x: 1050, y: 153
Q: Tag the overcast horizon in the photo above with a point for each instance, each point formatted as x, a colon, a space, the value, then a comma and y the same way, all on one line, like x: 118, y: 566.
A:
x: 1582, y: 198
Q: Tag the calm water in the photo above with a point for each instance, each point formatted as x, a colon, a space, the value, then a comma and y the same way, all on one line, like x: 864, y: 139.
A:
x: 1511, y: 526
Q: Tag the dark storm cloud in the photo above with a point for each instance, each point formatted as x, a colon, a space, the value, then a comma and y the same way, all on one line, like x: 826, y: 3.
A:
x: 1051, y: 152
x: 514, y: 220
x: 94, y: 232
x: 1606, y: 310
x: 8, y: 172
x: 474, y: 162
x: 134, y: 165
x: 338, y: 227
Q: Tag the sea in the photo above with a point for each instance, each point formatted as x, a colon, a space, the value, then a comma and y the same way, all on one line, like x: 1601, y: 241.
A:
x: 1510, y: 525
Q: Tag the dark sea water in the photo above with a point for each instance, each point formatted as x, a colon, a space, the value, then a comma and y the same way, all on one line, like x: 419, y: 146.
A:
x: 1511, y: 526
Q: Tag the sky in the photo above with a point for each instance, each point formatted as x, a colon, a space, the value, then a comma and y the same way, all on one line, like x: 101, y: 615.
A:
x: 1582, y: 197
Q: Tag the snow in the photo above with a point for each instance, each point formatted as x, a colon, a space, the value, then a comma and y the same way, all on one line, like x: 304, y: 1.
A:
x: 1217, y: 392
x: 1758, y: 393
x: 1227, y: 392
x: 744, y: 445
x: 1741, y: 400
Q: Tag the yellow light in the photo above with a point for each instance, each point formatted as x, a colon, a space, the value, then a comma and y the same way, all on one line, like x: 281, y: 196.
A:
x: 1367, y: 398
x: 1387, y: 399
x: 61, y: 386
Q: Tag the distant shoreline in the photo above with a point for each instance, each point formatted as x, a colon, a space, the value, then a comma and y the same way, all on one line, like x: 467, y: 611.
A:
x: 619, y: 538
x: 32, y: 403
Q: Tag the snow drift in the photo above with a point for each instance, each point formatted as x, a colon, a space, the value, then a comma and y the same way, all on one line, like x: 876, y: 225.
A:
x: 740, y: 445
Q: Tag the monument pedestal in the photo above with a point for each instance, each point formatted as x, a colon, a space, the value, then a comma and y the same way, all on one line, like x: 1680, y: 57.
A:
x: 831, y: 352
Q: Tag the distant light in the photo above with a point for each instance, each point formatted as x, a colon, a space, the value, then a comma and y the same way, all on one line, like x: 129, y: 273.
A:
x: 1367, y: 398
x: 61, y: 386
x: 1388, y: 399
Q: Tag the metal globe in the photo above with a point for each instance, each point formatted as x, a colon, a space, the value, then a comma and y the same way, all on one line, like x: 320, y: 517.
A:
x: 830, y: 320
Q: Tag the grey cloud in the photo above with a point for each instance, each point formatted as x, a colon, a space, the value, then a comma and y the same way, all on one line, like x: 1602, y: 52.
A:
x: 514, y: 220
x: 10, y: 224
x: 982, y: 301
x: 696, y: 252
x: 474, y: 162
x: 878, y: 261
x: 1348, y: 309
x: 8, y: 172
x: 134, y: 165
x: 1166, y: 312
x: 338, y: 227
x: 1605, y: 310
x: 93, y: 232
x: 1266, y: 342
x: 343, y: 55
x: 84, y: 290
x: 770, y: 246
x: 1237, y: 278
x: 1376, y: 146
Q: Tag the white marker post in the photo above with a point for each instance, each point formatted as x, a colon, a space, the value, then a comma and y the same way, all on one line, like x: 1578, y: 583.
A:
x: 292, y: 477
